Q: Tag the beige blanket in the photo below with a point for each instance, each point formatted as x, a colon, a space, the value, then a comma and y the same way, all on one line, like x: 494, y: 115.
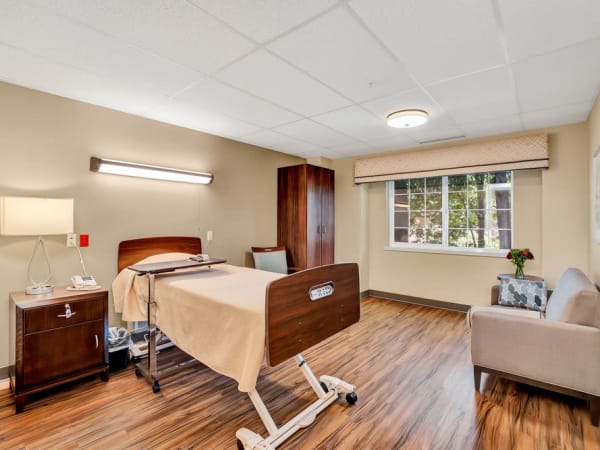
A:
x: 216, y: 315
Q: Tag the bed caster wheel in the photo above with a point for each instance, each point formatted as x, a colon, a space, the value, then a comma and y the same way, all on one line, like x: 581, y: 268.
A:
x: 137, y: 372
x: 351, y: 398
x: 240, y: 446
x: 155, y: 387
x: 325, y: 388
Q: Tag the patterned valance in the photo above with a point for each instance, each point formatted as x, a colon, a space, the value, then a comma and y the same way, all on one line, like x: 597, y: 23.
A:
x: 526, y: 152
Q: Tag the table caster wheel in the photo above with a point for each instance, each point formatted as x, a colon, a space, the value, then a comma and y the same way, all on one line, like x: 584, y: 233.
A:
x: 325, y: 388
x: 155, y: 387
x: 137, y: 372
x: 351, y: 398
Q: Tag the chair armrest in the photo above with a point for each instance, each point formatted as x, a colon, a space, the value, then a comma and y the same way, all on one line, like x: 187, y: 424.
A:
x: 558, y: 353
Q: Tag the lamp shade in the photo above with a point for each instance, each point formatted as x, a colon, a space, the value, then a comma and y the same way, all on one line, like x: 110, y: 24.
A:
x: 32, y: 216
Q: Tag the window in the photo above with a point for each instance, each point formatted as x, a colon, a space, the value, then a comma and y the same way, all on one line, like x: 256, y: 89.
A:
x: 454, y: 212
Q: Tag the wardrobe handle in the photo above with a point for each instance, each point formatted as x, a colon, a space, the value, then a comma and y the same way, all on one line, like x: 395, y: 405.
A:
x: 97, y: 342
x: 324, y: 229
x: 318, y: 229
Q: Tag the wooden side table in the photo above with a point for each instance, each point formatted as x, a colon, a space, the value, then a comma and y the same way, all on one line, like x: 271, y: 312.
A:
x: 56, y: 338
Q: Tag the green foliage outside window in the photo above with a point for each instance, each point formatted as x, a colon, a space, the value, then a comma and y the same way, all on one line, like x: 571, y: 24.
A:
x: 464, y: 211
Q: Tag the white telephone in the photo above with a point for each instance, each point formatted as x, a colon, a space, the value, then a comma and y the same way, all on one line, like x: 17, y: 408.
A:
x: 84, y: 283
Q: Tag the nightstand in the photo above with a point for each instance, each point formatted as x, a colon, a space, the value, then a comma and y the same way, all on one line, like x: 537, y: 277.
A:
x: 56, y: 338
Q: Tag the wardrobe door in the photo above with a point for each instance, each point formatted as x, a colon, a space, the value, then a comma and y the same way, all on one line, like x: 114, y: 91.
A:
x: 291, y: 213
x: 313, y: 216
x: 327, y: 216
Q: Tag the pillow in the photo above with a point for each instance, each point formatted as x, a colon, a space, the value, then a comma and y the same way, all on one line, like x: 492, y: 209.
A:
x: 523, y: 293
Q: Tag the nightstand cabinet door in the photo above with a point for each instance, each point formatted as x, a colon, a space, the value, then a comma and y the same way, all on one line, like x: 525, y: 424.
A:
x: 57, y: 338
x: 63, y: 351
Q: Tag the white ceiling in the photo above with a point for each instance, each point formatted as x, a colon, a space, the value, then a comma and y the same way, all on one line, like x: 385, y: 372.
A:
x: 314, y: 77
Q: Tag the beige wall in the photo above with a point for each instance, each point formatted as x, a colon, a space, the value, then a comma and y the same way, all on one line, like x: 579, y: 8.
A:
x: 594, y: 141
x: 551, y: 218
x: 45, y: 146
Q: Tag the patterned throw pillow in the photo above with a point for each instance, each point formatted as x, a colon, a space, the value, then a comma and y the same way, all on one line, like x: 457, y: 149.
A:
x: 523, y: 293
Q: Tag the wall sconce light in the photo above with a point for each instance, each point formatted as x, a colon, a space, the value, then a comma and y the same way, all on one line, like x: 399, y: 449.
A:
x: 147, y: 171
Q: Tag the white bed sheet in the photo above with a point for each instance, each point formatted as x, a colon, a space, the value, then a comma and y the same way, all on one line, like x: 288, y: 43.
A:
x: 216, y: 315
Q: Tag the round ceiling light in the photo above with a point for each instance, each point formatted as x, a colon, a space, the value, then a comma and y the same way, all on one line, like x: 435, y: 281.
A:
x: 407, y: 118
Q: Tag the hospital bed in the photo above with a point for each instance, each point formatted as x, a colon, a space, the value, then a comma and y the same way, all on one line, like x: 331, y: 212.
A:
x: 232, y: 319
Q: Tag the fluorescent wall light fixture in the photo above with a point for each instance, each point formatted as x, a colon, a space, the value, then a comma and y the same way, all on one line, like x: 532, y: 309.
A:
x: 407, y: 118
x: 32, y: 216
x: 131, y: 169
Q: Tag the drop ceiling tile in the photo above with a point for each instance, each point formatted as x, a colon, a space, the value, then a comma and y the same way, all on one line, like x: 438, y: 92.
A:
x: 196, y: 118
x: 315, y: 133
x: 563, y: 77
x: 272, y: 79
x: 265, y: 19
x: 493, y: 127
x: 534, y: 27
x: 215, y: 96
x: 279, y: 142
x: 38, y: 73
x: 357, y: 123
x: 62, y: 41
x: 395, y: 143
x: 174, y: 29
x: 412, y: 99
x: 337, y: 50
x: 359, y: 148
x: 478, y: 96
x: 563, y: 115
x: 431, y: 133
x: 435, y: 39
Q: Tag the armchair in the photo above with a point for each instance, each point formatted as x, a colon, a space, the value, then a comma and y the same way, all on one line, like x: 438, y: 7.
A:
x: 560, y: 352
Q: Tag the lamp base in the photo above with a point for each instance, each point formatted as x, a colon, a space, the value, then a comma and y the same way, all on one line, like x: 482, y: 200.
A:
x: 39, y: 289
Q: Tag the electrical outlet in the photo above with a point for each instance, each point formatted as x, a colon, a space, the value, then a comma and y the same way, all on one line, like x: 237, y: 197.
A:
x: 209, y: 235
x: 71, y: 240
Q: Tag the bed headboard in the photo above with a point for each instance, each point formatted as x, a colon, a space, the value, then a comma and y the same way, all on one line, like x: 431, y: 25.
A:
x: 135, y: 250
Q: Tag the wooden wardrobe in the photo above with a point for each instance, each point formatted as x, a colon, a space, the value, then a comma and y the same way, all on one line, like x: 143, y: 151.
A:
x: 305, y: 214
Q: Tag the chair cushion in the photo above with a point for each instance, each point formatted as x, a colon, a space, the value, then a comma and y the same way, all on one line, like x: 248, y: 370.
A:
x: 523, y: 293
x: 574, y: 300
x: 274, y: 261
x: 514, y: 312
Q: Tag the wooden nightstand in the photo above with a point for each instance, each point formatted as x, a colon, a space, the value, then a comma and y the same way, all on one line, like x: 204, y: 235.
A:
x: 56, y: 338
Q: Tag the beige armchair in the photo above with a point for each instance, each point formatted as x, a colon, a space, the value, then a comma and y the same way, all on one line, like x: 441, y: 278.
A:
x: 560, y: 352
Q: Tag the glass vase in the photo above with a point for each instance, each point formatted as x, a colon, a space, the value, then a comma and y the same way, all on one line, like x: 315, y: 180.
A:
x: 519, y: 273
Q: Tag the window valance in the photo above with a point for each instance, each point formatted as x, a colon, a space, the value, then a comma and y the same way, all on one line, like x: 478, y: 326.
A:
x: 526, y: 152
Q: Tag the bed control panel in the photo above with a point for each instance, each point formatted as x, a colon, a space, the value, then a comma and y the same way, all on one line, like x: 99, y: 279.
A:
x: 321, y: 291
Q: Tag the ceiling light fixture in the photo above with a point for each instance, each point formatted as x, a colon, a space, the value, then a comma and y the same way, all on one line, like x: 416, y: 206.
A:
x: 147, y: 171
x: 407, y: 118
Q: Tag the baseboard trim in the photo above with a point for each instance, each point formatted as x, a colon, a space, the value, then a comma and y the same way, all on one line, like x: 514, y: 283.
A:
x: 3, y: 373
x: 419, y: 301
x: 364, y: 294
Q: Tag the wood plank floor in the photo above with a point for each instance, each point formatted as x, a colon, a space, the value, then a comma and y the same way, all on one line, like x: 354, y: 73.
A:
x: 415, y: 390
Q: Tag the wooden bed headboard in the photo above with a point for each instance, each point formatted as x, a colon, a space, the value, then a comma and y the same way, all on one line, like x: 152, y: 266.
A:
x: 295, y: 322
x: 132, y: 251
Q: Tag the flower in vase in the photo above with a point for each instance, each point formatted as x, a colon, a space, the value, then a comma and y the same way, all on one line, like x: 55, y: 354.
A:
x: 518, y: 257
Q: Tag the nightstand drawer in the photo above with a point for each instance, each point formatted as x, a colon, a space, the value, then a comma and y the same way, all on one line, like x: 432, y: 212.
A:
x: 55, y: 316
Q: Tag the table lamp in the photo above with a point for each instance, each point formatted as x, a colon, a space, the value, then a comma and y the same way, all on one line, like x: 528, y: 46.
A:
x: 32, y: 216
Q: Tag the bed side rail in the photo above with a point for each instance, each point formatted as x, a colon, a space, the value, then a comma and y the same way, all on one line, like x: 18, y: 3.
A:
x: 307, y: 307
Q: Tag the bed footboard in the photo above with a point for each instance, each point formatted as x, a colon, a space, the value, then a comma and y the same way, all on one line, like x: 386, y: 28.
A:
x: 307, y: 307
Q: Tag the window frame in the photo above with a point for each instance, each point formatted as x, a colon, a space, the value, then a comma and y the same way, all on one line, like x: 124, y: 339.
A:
x: 442, y: 248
